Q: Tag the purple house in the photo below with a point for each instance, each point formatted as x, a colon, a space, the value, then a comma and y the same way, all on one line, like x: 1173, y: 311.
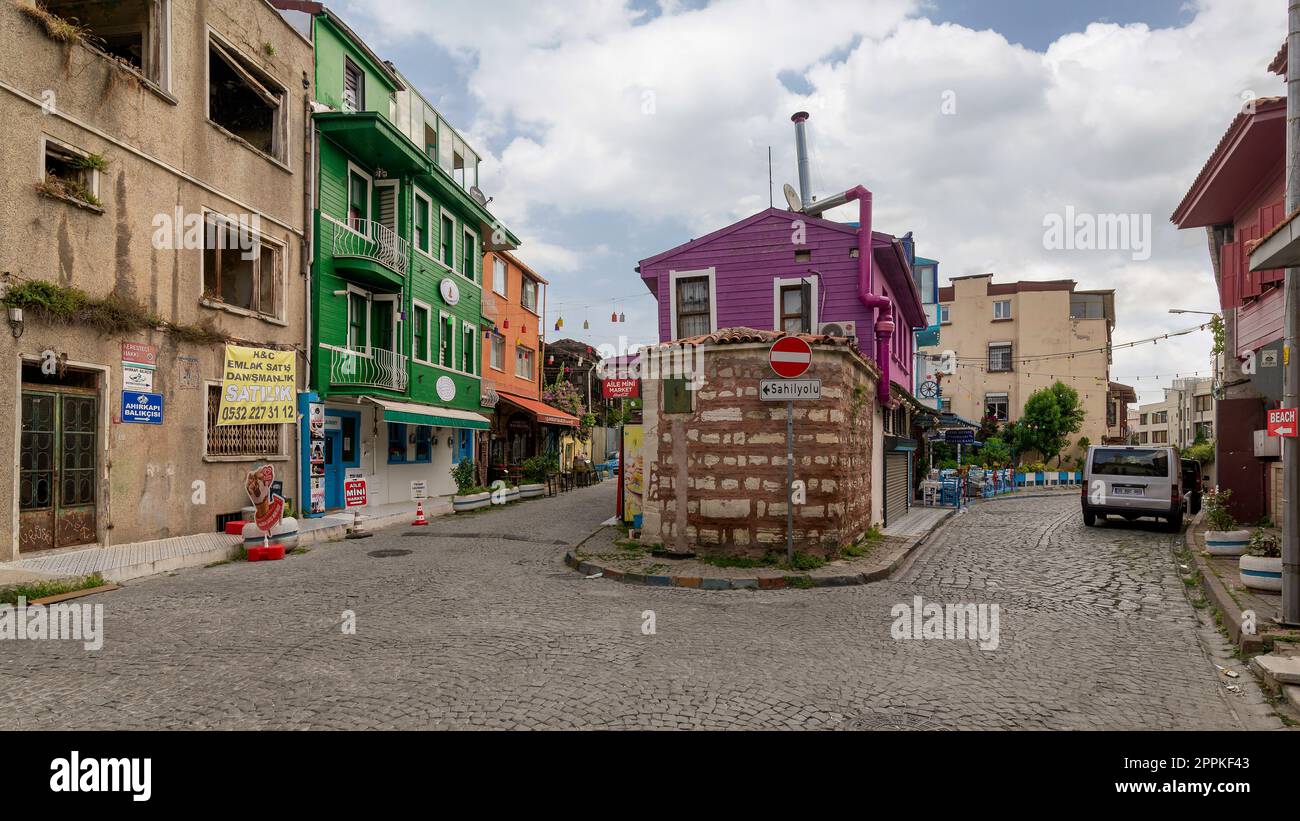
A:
x: 794, y: 271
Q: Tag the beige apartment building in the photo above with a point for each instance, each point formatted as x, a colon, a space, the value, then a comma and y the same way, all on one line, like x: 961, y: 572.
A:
x: 1014, y: 338
x: 154, y: 155
x: 1185, y: 414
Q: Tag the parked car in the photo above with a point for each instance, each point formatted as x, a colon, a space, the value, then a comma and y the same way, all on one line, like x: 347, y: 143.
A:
x: 612, y: 461
x: 1134, y: 482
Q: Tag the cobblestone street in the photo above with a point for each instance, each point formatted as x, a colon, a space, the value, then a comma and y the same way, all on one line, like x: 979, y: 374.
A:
x: 477, y: 627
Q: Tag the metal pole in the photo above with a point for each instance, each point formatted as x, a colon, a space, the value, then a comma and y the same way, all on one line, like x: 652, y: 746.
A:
x: 789, y: 481
x: 1290, y: 359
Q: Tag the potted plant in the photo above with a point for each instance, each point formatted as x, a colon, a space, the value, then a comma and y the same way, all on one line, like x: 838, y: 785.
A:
x: 469, y: 496
x: 534, y: 477
x: 1260, y: 567
x: 1222, y: 538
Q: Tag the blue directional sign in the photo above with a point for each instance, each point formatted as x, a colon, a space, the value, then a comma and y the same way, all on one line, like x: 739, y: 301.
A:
x: 959, y: 436
x: 142, y: 408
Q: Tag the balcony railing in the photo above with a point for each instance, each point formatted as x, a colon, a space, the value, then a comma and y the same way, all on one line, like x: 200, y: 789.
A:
x: 371, y: 240
x: 377, y: 369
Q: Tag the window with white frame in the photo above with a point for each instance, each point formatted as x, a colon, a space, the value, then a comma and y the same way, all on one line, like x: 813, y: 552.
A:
x: 241, y: 269
x: 997, y: 406
x: 354, y: 86
x: 468, y: 346
x: 1002, y: 309
x: 498, y: 352
x: 469, y: 255
x: 420, y: 233
x: 358, y: 198
x: 524, y: 362
x: 420, y: 331
x: 999, y: 357
x: 500, y: 275
x: 447, y: 340
x: 945, y: 315
x: 447, y: 239
x: 528, y: 294
x: 692, y: 305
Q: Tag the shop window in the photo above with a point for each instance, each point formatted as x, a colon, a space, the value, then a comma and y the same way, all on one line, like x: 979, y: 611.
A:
x: 240, y: 441
x: 244, y: 101
x: 396, y: 443
x: 240, y: 269
x: 423, y: 444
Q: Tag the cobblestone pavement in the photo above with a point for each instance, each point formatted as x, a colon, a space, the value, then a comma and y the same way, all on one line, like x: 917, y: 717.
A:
x: 473, y: 629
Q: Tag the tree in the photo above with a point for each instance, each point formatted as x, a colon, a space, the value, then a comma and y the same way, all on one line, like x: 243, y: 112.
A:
x: 1051, y: 415
x: 995, y: 452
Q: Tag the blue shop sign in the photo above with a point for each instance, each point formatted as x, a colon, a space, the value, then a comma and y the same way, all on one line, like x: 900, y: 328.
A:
x: 142, y: 408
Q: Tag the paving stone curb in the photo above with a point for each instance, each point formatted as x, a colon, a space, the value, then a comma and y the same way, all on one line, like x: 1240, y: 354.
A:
x: 789, y: 581
x: 1217, y: 593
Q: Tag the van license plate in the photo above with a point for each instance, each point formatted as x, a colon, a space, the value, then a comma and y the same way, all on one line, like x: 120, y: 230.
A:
x: 1128, y: 491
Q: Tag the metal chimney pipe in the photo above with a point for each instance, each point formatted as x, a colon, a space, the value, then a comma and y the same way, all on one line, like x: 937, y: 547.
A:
x: 801, y: 150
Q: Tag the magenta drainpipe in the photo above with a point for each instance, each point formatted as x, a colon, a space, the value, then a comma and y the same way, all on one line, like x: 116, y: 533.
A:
x: 884, y: 308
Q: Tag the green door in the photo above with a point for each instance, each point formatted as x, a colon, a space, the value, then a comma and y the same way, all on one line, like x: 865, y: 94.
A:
x: 57, y: 470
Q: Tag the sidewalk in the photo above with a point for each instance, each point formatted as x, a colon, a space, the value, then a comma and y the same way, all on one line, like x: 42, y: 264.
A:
x: 1220, y: 581
x: 133, y: 561
x: 609, y: 553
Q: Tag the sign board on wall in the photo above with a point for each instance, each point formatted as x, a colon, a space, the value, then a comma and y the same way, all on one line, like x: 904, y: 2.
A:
x: 1282, y: 422
x: 140, y: 353
x: 142, y: 408
x: 782, y: 390
x: 137, y: 378
x: 419, y: 490
x: 257, y: 387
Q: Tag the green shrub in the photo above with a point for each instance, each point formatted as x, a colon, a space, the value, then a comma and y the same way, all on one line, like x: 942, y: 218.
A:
x: 1217, y: 514
x: 1264, y: 544
x: 465, y: 476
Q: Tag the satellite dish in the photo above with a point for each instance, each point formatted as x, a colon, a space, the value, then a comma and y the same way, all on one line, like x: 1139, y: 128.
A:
x: 477, y: 195
x: 792, y: 198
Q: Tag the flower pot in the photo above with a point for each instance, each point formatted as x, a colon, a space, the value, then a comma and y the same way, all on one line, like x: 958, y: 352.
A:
x: 1261, y: 572
x: 531, y: 491
x: 1226, y: 542
x: 472, y: 501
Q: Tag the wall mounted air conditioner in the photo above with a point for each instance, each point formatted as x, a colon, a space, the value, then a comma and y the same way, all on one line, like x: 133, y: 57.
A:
x: 840, y: 329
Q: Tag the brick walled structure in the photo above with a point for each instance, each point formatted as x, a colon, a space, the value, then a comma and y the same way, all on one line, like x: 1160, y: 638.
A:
x: 715, y: 478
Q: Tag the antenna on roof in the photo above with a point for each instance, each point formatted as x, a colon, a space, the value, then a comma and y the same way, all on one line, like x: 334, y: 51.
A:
x: 769, y: 176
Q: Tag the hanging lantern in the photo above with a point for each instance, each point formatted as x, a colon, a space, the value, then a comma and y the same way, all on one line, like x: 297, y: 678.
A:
x: 505, y: 323
x: 622, y: 317
x: 613, y: 317
x: 559, y: 323
x: 524, y: 329
x: 550, y: 360
x: 586, y: 326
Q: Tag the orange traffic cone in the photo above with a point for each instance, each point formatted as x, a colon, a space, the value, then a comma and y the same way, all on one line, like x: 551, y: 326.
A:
x: 419, y: 514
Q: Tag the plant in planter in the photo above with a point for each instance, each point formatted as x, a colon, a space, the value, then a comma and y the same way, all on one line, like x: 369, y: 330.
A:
x: 1222, y: 538
x: 1261, y: 566
x: 469, y: 496
x: 535, y: 472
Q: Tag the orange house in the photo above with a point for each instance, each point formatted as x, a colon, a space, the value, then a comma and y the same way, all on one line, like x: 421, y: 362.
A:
x: 514, y: 300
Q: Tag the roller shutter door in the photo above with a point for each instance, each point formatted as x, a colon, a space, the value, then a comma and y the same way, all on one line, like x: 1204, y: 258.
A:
x: 896, y: 486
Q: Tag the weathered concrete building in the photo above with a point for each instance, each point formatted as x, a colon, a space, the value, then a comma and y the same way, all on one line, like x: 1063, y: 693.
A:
x: 152, y: 210
x: 714, y: 459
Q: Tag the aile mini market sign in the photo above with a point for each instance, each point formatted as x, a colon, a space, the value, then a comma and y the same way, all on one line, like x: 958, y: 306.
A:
x: 257, y: 387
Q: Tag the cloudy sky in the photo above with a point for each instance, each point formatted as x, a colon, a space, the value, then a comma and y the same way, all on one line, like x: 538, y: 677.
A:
x: 613, y: 130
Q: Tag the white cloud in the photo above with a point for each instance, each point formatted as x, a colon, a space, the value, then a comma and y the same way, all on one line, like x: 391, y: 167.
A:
x: 669, y: 119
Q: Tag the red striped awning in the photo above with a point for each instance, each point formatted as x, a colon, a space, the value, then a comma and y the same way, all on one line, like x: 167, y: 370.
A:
x: 543, y: 412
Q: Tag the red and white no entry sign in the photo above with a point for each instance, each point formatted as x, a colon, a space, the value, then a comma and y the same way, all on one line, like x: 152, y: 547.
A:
x: 790, y: 357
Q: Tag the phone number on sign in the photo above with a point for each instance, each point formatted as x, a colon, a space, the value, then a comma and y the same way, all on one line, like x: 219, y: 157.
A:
x: 256, y: 413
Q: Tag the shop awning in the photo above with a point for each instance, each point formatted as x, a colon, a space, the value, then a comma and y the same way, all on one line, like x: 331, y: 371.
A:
x: 544, y: 413
x: 415, y: 413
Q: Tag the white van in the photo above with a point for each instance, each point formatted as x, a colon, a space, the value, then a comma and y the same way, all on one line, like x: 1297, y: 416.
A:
x: 1133, y: 482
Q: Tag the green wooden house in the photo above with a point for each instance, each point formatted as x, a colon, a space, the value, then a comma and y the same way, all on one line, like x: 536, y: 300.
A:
x: 399, y: 232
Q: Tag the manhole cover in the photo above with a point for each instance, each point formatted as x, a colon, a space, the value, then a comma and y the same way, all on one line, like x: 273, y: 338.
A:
x: 889, y: 721
x: 387, y: 554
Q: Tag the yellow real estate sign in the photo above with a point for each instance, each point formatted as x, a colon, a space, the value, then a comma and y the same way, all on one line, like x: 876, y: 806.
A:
x: 257, y: 387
